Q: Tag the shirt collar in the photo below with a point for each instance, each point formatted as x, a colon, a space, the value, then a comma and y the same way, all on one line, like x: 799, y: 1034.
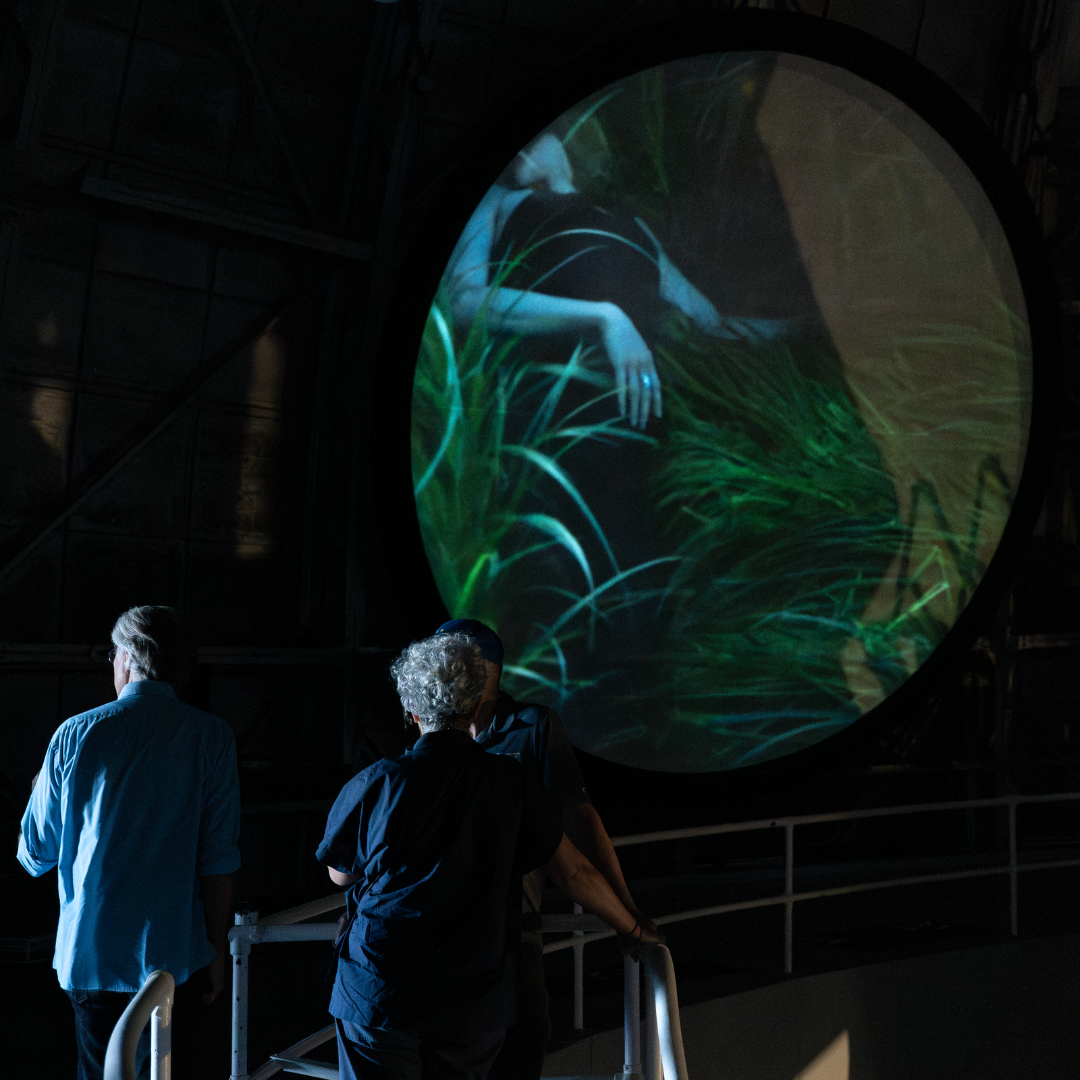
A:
x: 152, y: 687
x: 446, y: 736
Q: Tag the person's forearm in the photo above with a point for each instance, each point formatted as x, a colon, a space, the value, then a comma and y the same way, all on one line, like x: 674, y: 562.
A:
x: 516, y: 311
x: 574, y: 875
x: 587, y: 832
x: 217, y: 898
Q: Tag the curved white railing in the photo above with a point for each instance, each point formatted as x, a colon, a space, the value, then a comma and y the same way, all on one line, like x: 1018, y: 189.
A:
x: 661, y: 978
x: 153, y: 1002
x: 662, y: 1035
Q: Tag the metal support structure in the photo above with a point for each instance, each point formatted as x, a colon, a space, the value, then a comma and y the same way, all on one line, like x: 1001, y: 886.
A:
x: 789, y: 893
x: 106, y: 467
x: 44, y: 56
x: 631, y: 1019
x: 579, y: 975
x: 189, y: 210
x: 248, y: 57
x: 153, y: 1004
x: 652, y: 1065
x: 665, y: 1002
x: 1013, y: 912
x: 659, y: 1038
x: 240, y: 951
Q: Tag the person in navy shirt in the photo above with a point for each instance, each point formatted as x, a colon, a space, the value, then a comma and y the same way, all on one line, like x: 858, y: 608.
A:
x: 138, y: 807
x: 534, y: 735
x: 433, y: 846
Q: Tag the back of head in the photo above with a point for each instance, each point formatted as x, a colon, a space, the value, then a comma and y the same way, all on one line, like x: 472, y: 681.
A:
x: 159, y: 643
x: 439, y: 678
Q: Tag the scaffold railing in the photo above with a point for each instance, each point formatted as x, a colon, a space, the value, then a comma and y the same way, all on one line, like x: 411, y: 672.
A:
x: 656, y: 1049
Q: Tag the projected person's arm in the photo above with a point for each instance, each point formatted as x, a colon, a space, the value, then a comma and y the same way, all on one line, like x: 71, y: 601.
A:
x: 678, y: 291
x: 516, y: 311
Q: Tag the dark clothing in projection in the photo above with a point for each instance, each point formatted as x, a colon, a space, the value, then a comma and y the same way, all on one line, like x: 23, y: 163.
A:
x: 568, y: 247
x: 442, y: 837
x: 563, y: 245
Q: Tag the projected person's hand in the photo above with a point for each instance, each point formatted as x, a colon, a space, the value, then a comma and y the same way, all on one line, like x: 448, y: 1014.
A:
x: 636, y: 379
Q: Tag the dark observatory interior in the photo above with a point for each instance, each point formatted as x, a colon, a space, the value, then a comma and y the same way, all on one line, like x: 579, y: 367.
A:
x: 222, y: 226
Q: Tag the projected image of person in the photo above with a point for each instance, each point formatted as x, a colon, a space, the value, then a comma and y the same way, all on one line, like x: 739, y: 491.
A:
x: 675, y: 426
x: 563, y: 265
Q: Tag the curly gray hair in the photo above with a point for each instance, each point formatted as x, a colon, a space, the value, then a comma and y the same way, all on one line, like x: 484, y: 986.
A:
x: 439, y: 678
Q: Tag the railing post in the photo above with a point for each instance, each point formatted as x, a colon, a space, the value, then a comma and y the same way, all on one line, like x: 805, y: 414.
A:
x: 789, y: 892
x: 1013, y: 913
x: 579, y: 974
x: 652, y: 1066
x: 161, y: 1041
x: 240, y: 950
x: 665, y: 1005
x: 631, y: 1019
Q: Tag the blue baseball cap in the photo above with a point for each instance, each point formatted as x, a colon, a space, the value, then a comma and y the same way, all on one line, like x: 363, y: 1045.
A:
x: 489, y: 643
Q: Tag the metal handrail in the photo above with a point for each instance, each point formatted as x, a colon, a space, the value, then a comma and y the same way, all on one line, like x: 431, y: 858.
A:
x: 153, y: 1002
x: 661, y: 978
x: 586, y: 933
x: 585, y: 929
x: 838, y: 815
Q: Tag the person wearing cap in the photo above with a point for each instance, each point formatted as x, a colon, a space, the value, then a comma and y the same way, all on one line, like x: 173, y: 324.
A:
x: 432, y: 847
x: 534, y: 735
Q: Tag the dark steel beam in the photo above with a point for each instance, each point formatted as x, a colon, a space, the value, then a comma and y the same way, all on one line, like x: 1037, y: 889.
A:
x: 69, y: 657
x: 44, y: 53
x: 68, y: 501
x: 172, y: 206
x: 297, y: 177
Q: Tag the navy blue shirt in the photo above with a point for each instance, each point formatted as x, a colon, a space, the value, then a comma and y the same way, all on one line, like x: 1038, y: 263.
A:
x: 534, y: 735
x: 442, y: 837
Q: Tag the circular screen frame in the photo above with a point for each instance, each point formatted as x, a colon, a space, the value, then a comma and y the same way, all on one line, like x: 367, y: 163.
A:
x: 409, y: 596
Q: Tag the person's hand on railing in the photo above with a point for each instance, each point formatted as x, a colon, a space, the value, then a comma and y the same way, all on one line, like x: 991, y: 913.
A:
x: 639, y: 938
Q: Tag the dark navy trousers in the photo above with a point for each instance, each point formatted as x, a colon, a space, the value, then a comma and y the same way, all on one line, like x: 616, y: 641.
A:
x: 381, y: 1054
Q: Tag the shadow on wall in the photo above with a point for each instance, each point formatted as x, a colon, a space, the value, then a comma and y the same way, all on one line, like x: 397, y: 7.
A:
x: 1000, y: 1012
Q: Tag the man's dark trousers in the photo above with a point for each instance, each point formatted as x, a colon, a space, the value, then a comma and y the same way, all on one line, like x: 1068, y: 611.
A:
x: 381, y: 1054
x: 96, y: 1014
x: 522, y: 1055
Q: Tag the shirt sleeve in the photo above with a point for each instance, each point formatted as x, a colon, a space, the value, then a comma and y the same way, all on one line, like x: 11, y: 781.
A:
x: 541, y: 827
x: 39, y: 835
x: 348, y: 822
x: 219, y: 826
x: 561, y: 771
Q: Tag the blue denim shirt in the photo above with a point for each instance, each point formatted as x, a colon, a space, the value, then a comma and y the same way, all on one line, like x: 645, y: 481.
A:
x: 135, y: 802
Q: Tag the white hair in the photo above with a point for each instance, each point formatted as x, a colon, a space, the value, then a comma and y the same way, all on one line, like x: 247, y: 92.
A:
x: 158, y: 641
x: 439, y: 678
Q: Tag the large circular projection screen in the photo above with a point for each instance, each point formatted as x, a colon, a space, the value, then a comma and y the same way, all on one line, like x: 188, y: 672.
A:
x: 720, y: 407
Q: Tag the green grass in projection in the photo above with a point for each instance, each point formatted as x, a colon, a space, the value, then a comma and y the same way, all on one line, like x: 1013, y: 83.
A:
x: 790, y: 542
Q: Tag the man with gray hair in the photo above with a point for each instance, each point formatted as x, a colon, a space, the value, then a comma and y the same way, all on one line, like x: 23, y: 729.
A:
x: 138, y: 807
x: 433, y: 846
